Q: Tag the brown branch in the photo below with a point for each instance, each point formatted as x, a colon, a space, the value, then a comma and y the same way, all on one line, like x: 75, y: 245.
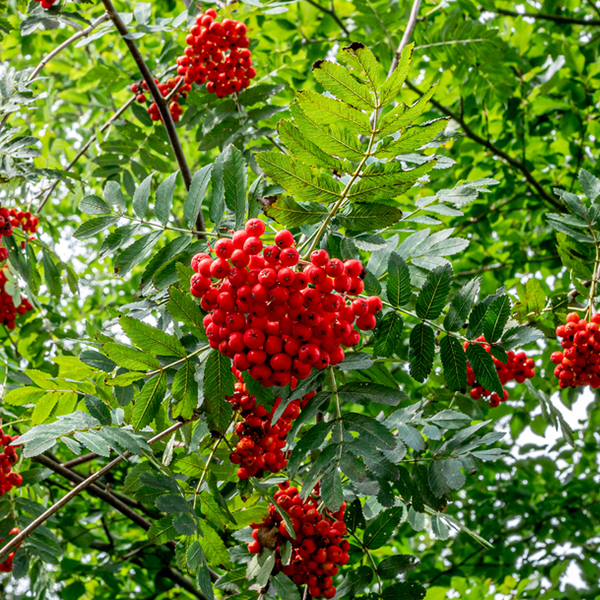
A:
x: 547, y: 17
x: 158, y: 98
x: 410, y: 26
x: 331, y: 12
x: 517, y: 164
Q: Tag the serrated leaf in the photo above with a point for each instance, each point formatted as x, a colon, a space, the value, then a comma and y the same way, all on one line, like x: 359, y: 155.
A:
x: 171, y: 503
x: 411, y: 139
x: 483, y: 367
x: 391, y: 567
x: 164, y: 198
x: 421, y: 351
x: 392, y: 85
x: 451, y: 468
x: 299, y: 179
x: 388, y: 335
x: 461, y: 305
x: 311, y: 440
x: 477, y: 315
x: 214, y: 548
x: 51, y: 274
x: 182, y: 307
x: 286, y: 211
x: 496, y: 318
x: 454, y: 361
x: 234, y: 180
x: 331, y: 490
x: 359, y: 392
x: 196, y: 195
x: 285, y: 587
x: 371, y: 431
x: 93, y: 442
x: 363, y: 217
x: 185, y: 391
x: 590, y: 184
x: 151, y: 339
x: 337, y: 80
x: 141, y: 195
x: 411, y: 437
x: 520, y: 336
x: 93, y: 205
x: 434, y: 293
x: 218, y: 384
x: 405, y: 590
x: 98, y: 409
x: 130, y: 358
x: 114, y: 195
x: 379, y: 532
x: 162, y: 531
x: 398, y: 282
x: 149, y: 400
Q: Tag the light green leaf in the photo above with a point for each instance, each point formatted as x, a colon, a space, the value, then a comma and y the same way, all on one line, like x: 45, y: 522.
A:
x: 149, y: 400
x: 141, y: 195
x: 164, y: 198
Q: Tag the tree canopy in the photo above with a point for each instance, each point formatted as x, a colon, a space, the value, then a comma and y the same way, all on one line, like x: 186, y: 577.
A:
x: 447, y: 146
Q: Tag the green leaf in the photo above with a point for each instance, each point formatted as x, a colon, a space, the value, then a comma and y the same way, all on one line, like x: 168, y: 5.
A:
x: 362, y: 392
x: 151, y: 339
x: 477, y: 316
x: 411, y: 437
x: 93, y: 227
x: 136, y: 253
x: 286, y: 211
x: 520, y: 336
x: 51, y: 275
x: 149, y: 400
x: 196, y: 194
x: 411, y: 139
x: 532, y: 299
x: 213, y: 546
x: 141, y: 195
x: 164, y: 198
x: 338, y: 81
x: 299, y: 179
x: 118, y: 238
x: 114, y: 195
x: 405, y: 590
x: 24, y: 395
x: 130, y: 358
x: 461, y: 305
x: 162, y: 531
x: 93, y: 442
x: 355, y: 582
x: 370, y: 431
x: 392, y: 85
x: 185, y: 390
x: 379, y: 532
x: 496, y: 318
x: 362, y: 217
x: 382, y: 181
x: 171, y: 503
x: 434, y: 293
x: 94, y: 205
x: 305, y: 150
x: 331, y: 489
x: 327, y: 111
x: 400, y: 116
x: 590, y: 184
x: 451, y: 468
x: 421, y: 351
x: 98, y: 409
x: 311, y: 440
x: 454, y: 361
x: 235, y: 179
x: 183, y: 308
x: 483, y: 367
x: 388, y: 335
x: 391, y: 567
x: 285, y: 587
x: 218, y: 384
x: 398, y: 282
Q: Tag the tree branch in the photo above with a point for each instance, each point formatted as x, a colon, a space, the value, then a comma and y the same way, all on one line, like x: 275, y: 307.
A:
x: 547, y: 17
x: 331, y: 12
x: 17, y: 539
x: 410, y: 27
x: 158, y: 98
x: 517, y: 164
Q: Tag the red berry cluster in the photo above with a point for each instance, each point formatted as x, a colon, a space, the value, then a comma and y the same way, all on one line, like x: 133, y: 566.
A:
x: 7, y: 565
x: 579, y: 363
x: 260, y: 449
x: 165, y: 89
x: 205, y: 56
x: 8, y: 458
x: 275, y: 322
x: 517, y: 368
x: 11, y: 218
x: 46, y: 3
x: 319, y: 546
x: 8, y: 311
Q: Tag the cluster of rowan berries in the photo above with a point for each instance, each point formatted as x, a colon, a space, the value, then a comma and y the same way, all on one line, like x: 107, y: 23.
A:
x: 275, y: 322
x: 217, y: 54
x: 579, y: 363
x: 7, y: 565
x: 517, y: 368
x: 165, y: 89
x: 46, y: 3
x: 11, y: 218
x: 8, y: 458
x: 260, y: 449
x: 8, y: 311
x: 319, y: 546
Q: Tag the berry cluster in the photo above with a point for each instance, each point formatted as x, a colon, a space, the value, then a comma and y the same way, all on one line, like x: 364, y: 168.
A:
x: 217, y: 52
x: 165, y: 89
x: 11, y: 218
x: 8, y: 458
x: 517, y: 368
x: 7, y: 565
x: 260, y: 449
x: 319, y: 546
x: 46, y: 3
x: 273, y: 321
x: 8, y: 311
x: 579, y: 363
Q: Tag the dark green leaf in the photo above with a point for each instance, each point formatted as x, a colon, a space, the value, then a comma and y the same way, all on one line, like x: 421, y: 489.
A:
x: 421, y: 351
x: 496, y: 318
x: 398, y: 281
x: 434, y: 294
x: 483, y: 367
x: 454, y: 361
x: 461, y: 305
x: 164, y: 198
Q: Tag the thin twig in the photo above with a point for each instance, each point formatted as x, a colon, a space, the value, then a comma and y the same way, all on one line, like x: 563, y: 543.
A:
x: 25, y: 533
x: 410, y: 26
x: 331, y: 12
x: 548, y: 17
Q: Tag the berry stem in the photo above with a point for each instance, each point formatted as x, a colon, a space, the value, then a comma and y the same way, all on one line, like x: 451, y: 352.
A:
x: 370, y: 557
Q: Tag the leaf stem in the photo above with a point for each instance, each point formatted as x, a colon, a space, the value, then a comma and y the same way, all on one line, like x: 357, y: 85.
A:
x: 594, y: 282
